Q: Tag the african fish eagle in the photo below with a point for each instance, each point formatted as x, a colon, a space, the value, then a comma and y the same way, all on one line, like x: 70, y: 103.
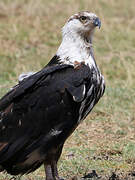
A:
x: 43, y: 109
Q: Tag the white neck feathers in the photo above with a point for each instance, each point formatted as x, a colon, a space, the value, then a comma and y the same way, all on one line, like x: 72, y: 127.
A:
x: 74, y: 48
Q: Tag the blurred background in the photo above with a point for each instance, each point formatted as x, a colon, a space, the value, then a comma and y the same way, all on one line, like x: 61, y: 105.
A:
x: 30, y: 33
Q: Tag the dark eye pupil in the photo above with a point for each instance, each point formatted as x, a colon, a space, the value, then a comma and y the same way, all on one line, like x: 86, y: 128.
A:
x: 83, y: 18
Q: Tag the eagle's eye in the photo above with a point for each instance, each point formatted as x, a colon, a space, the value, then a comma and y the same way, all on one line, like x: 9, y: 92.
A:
x: 83, y: 19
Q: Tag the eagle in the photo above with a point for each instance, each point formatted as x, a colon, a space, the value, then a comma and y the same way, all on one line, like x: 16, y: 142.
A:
x: 44, y: 108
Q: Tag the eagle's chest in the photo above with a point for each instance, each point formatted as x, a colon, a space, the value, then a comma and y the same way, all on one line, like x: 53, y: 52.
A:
x: 95, y: 90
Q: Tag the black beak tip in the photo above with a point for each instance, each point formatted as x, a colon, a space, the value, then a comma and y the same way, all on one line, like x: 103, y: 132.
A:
x: 97, y: 22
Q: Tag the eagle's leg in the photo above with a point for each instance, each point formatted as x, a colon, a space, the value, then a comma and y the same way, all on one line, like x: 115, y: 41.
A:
x: 54, y: 163
x: 51, y: 169
x: 48, y: 172
x: 55, y: 170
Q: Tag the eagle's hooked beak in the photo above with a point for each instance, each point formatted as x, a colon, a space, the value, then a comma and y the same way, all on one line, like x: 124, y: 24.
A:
x: 97, y: 22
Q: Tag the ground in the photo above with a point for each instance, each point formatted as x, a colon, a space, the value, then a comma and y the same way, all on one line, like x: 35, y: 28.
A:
x: 30, y: 33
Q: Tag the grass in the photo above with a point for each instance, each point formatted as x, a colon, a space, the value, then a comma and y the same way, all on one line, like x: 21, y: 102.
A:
x: 30, y: 33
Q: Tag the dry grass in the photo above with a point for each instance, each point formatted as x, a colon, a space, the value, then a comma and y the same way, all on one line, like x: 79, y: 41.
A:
x: 29, y: 37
